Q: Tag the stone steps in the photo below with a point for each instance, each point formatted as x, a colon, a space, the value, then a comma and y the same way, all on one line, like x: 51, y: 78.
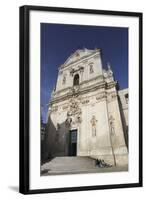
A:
x: 70, y: 163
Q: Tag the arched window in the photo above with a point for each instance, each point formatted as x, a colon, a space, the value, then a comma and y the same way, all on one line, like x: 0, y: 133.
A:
x: 76, y: 80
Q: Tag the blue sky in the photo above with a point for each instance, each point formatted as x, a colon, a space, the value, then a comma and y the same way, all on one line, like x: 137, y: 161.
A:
x: 59, y: 41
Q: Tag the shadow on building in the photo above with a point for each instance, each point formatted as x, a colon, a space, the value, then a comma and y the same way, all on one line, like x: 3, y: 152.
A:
x: 125, y: 127
x: 55, y: 141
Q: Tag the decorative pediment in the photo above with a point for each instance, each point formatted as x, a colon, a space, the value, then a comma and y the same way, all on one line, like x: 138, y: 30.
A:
x: 79, y: 54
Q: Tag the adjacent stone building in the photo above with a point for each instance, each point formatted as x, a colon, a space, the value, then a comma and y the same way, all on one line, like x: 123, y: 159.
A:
x: 88, y: 115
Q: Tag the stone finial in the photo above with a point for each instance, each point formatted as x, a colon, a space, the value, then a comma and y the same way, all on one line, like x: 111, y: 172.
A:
x: 110, y: 72
x: 109, y: 66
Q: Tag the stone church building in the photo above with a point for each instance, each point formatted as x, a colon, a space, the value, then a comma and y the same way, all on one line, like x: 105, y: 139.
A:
x: 88, y: 114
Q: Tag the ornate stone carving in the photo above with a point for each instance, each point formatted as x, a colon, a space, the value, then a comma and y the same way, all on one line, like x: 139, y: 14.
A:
x: 75, y: 89
x: 79, y: 69
x: 78, y: 119
x: 108, y: 74
x: 74, y: 112
x: 105, y: 74
x: 101, y: 96
x: 93, y: 124
x: 114, y: 95
x: 68, y: 120
x: 111, y: 96
x: 74, y: 106
x: 85, y: 101
x: 65, y: 107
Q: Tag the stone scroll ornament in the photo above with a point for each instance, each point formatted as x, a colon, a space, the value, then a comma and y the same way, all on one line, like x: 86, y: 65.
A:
x: 93, y: 124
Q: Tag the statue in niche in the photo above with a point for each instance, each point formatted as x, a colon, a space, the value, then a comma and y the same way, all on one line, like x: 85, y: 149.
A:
x: 91, y: 69
x: 78, y: 119
x: 93, y: 124
x: 111, y: 122
x: 64, y: 80
x: 81, y: 69
x: 68, y: 121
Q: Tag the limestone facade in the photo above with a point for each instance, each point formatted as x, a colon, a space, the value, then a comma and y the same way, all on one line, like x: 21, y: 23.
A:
x: 87, y: 113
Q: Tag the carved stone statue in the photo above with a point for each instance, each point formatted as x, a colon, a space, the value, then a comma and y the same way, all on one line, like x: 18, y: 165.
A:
x: 93, y: 123
x: 78, y: 119
x: 91, y: 69
x: 68, y: 121
x: 64, y: 80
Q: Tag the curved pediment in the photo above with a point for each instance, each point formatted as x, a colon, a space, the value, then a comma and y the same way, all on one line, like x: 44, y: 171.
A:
x: 79, y: 54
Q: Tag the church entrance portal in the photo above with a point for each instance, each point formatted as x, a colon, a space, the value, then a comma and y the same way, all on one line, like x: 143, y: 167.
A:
x: 73, y: 143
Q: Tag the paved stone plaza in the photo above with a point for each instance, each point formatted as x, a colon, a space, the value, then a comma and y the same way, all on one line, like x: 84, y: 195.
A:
x: 76, y: 165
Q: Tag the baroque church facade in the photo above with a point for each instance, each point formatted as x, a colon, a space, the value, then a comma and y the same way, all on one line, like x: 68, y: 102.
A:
x: 88, y: 114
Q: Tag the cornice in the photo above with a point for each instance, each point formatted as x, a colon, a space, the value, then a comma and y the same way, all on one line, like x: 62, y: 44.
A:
x: 81, y: 91
x: 82, y: 83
